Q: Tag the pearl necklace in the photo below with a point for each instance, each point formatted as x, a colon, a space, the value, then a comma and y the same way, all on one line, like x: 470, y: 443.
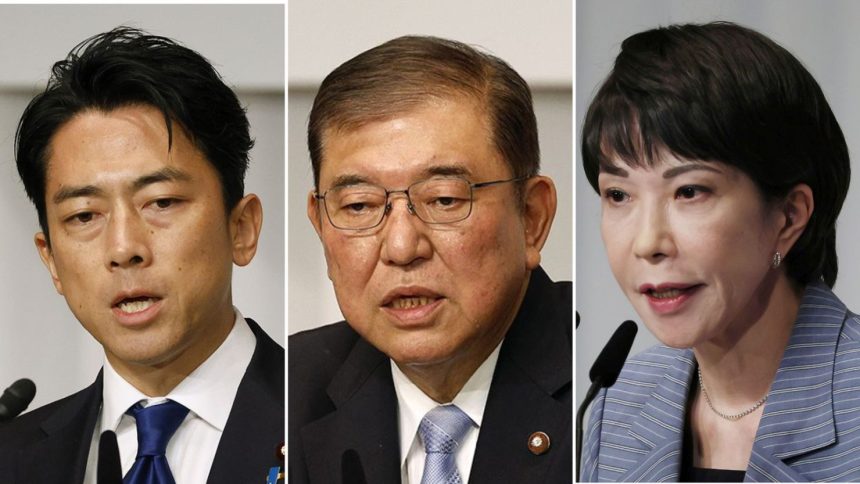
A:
x: 733, y: 417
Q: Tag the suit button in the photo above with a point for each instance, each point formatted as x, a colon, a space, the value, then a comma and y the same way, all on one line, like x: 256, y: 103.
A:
x: 538, y: 443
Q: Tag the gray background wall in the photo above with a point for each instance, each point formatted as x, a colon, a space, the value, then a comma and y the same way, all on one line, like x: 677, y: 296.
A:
x: 535, y: 38
x: 823, y: 35
x: 39, y: 336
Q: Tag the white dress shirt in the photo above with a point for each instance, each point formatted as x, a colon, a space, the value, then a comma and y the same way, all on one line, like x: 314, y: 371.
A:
x: 413, y: 404
x: 208, y: 393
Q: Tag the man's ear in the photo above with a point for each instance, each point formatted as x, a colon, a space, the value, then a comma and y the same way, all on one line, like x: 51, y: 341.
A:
x: 47, y: 257
x: 797, y: 209
x: 246, y: 221
x: 540, y: 202
x: 314, y: 212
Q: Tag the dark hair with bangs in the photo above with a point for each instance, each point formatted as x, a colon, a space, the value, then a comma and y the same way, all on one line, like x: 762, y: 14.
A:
x: 125, y: 67
x: 722, y: 92
x: 404, y: 73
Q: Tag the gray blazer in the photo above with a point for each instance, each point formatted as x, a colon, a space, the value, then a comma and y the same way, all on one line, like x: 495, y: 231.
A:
x: 809, y: 431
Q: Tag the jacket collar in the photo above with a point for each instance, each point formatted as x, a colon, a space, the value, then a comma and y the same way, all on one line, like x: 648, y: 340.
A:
x: 531, y: 391
x: 61, y: 456
x: 785, y: 431
x: 360, y: 436
x: 798, y: 416
x: 254, y: 432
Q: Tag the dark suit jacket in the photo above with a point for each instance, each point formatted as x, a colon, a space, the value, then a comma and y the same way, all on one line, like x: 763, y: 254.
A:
x: 343, y: 408
x: 51, y: 444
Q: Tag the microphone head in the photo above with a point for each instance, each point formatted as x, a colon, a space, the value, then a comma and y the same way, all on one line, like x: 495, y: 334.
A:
x: 109, y: 469
x: 16, y: 398
x: 608, y: 364
x: 351, y: 468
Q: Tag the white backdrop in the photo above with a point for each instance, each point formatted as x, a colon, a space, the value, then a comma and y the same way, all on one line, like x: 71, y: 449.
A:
x: 535, y: 38
x: 823, y: 35
x: 39, y: 337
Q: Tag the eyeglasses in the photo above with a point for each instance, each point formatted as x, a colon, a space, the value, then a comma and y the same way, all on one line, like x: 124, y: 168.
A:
x: 437, y: 200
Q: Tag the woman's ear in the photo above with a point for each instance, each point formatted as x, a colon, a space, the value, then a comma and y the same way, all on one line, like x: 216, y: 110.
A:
x: 797, y: 209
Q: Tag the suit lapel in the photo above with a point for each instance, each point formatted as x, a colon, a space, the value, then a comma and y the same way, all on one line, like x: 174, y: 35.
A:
x: 254, y: 431
x: 364, y: 423
x: 531, y: 391
x: 798, y: 416
x: 659, y: 426
x: 62, y: 455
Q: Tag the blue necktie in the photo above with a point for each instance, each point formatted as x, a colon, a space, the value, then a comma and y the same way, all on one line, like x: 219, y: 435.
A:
x: 156, y: 424
x: 442, y: 431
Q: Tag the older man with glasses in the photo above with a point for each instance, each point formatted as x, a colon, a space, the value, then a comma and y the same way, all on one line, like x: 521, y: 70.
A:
x: 454, y: 362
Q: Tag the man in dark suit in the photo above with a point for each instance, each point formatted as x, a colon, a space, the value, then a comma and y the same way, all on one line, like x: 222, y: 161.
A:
x: 135, y: 157
x: 454, y: 362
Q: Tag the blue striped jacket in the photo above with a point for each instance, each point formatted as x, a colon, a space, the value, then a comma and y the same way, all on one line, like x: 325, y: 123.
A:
x: 809, y: 431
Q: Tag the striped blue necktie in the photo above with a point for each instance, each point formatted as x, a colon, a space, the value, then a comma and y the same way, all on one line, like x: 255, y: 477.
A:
x: 442, y: 431
x: 156, y: 424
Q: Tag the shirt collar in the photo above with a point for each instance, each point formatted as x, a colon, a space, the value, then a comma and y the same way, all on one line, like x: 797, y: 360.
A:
x: 208, y: 391
x: 413, y: 404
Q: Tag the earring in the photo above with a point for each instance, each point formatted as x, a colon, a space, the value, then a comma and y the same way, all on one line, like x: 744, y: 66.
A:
x: 777, y: 260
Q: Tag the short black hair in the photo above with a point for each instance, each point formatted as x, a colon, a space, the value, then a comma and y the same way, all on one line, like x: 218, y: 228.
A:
x: 124, y: 67
x: 723, y: 92
x: 406, y: 72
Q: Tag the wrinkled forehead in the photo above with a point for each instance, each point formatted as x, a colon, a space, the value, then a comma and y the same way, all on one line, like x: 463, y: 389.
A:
x: 442, y: 135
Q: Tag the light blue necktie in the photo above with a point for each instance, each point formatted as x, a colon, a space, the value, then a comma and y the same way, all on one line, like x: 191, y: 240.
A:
x: 156, y: 424
x: 442, y: 431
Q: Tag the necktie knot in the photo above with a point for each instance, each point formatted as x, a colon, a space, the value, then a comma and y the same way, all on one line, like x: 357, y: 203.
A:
x: 443, y: 428
x: 156, y: 424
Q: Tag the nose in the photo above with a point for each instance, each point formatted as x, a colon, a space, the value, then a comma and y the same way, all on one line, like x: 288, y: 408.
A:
x: 404, y: 237
x: 653, y: 241
x: 127, y: 240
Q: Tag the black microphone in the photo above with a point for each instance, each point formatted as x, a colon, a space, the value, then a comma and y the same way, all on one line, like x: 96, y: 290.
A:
x: 351, y: 468
x: 16, y: 398
x: 577, y: 320
x: 109, y: 470
x: 604, y: 372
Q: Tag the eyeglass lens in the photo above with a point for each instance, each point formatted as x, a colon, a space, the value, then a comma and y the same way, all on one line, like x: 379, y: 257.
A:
x: 435, y: 200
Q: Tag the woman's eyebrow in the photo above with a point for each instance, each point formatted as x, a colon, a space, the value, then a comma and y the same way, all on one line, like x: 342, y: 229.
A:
x: 673, y: 172
x: 613, y: 170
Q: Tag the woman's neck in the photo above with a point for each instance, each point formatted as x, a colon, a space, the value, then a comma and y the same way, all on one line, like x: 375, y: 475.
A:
x: 739, y: 367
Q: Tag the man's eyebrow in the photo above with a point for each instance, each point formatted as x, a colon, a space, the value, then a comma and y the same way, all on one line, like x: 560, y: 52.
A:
x: 446, y: 170
x: 162, y: 175
x: 67, y: 193
x: 673, y: 172
x: 347, y: 180
x: 436, y: 170
x: 165, y: 174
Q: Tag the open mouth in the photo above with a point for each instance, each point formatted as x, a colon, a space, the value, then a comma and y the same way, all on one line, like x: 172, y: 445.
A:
x: 666, y: 293
x: 407, y: 302
x: 135, y: 304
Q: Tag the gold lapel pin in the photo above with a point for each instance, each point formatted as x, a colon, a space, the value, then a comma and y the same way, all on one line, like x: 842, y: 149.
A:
x: 539, y: 443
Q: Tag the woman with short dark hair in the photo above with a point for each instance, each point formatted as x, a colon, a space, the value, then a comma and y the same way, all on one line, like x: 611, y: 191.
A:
x: 722, y: 171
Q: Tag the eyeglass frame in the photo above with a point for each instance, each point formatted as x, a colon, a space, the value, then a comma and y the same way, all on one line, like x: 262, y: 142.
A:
x: 410, y: 206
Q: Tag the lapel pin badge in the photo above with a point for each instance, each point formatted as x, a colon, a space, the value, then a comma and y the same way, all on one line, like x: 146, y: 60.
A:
x: 539, y: 443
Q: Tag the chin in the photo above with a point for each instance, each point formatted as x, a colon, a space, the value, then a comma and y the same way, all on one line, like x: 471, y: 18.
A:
x: 419, y: 356
x: 143, y: 354
x: 678, y: 341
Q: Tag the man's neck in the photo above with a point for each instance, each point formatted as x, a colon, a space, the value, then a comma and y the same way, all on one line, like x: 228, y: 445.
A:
x: 443, y: 382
